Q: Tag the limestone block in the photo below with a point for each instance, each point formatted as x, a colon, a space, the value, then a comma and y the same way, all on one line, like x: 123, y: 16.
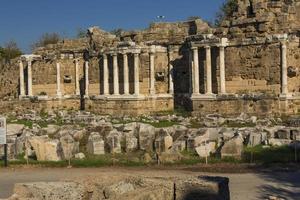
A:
x: 146, y: 137
x: 51, y: 129
x: 95, y: 144
x: 282, y: 134
x: 113, y: 141
x: 50, y: 190
x: 14, y: 129
x: 79, y: 156
x: 279, y: 142
x: 233, y: 147
x: 46, y: 149
x: 69, y: 146
x: 205, y: 150
x: 131, y: 142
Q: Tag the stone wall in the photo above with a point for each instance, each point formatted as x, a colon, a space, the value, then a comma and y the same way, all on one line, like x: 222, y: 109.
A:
x: 259, y: 18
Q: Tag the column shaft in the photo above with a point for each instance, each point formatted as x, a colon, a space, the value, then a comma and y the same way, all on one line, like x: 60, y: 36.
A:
x: 77, y: 86
x: 171, y: 83
x: 105, y: 75
x: 208, y: 71
x: 126, y: 74
x: 222, y: 70
x: 136, y: 74
x: 58, y: 83
x: 22, y: 88
x: 284, y: 78
x: 196, y: 71
x: 29, y: 77
x: 152, y: 73
x: 116, y: 74
x: 86, y: 78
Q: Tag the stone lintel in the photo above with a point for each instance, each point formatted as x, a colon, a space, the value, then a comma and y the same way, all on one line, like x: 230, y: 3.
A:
x: 30, y: 57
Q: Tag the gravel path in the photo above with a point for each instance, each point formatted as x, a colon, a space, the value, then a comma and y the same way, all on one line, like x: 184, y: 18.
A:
x: 242, y: 186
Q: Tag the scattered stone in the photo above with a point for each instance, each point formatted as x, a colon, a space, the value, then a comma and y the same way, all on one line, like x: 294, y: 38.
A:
x: 80, y: 156
x: 233, y: 147
x: 95, y: 144
x: 46, y: 149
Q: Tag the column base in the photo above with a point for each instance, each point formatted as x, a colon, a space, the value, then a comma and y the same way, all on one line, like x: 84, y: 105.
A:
x: 285, y: 96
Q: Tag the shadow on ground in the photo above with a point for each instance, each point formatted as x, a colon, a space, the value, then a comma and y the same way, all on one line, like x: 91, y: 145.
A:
x: 281, y: 183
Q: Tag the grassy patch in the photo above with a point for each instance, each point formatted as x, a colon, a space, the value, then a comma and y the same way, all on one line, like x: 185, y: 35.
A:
x: 24, y: 122
x: 273, y: 154
x: 236, y: 124
x: 180, y: 111
x: 162, y: 124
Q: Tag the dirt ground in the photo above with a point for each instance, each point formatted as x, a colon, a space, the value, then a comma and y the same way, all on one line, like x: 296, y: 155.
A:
x: 243, y: 186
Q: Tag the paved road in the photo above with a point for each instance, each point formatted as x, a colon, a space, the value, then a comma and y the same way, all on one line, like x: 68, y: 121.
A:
x: 245, y: 186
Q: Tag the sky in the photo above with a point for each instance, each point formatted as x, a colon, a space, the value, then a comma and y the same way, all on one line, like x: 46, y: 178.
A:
x: 24, y: 21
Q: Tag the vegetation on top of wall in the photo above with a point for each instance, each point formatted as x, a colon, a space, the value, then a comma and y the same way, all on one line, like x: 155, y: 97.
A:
x: 9, y: 51
x: 47, y: 38
x: 226, y: 10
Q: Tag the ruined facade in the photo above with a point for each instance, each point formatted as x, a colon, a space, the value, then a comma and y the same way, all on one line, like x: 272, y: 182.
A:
x: 248, y: 64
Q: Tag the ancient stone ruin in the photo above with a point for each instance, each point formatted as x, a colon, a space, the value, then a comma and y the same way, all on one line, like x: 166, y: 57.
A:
x: 250, y: 64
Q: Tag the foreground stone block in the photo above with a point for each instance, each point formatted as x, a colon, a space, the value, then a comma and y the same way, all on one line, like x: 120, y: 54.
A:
x: 49, y: 191
x: 205, y: 187
x: 127, y: 188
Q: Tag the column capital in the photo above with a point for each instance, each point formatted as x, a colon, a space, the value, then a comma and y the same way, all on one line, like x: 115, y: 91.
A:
x: 76, y: 60
x: 207, y: 47
x: 152, y: 49
x: 194, y: 48
x: 104, y: 56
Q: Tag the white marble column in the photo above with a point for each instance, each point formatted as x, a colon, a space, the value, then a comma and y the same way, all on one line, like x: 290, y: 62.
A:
x: 191, y: 72
x: 284, y: 78
x: 86, y: 78
x: 152, y: 71
x: 22, y: 87
x: 29, y: 77
x: 222, y: 70
x: 208, y: 71
x: 171, y: 83
x: 126, y: 74
x: 116, y: 74
x: 105, y: 75
x: 77, y: 85
x: 196, y: 71
x: 136, y: 74
x: 58, y: 82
